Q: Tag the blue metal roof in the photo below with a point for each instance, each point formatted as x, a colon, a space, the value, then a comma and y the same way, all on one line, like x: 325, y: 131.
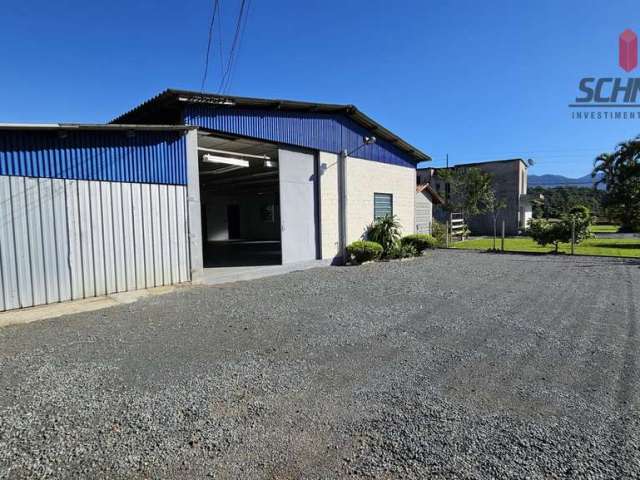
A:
x: 94, y: 153
x: 326, y: 127
x: 327, y: 132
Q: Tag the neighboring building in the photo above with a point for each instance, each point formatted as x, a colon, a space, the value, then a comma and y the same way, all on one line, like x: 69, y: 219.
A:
x: 510, y: 185
x: 426, y: 198
x: 186, y: 181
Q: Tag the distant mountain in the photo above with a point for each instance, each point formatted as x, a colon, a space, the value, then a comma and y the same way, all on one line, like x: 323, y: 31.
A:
x: 550, y: 181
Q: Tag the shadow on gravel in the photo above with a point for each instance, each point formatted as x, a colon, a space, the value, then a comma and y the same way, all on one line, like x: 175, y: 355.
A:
x: 601, y: 259
x: 634, y: 246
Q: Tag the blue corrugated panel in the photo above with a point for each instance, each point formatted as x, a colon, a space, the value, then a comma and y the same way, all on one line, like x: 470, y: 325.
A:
x: 321, y: 131
x: 144, y: 157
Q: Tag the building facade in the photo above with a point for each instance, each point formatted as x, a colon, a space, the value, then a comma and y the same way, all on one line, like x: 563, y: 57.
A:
x: 509, y: 178
x: 188, y: 181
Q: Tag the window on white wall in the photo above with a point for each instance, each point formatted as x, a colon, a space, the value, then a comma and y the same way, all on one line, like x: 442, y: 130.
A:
x: 382, y: 205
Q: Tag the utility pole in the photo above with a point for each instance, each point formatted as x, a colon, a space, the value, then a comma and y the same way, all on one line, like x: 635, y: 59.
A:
x: 447, y: 160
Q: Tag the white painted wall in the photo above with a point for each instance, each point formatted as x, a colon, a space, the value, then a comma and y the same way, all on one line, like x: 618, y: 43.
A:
x: 69, y: 239
x: 364, y: 178
x: 297, y: 205
x: 329, y: 201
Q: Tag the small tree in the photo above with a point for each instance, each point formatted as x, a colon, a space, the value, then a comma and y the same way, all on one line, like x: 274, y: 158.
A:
x: 385, y: 231
x: 468, y: 190
x: 545, y: 232
x: 581, y: 218
x: 494, y: 205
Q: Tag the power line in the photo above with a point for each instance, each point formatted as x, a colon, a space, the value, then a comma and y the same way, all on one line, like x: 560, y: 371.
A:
x: 226, y: 78
x: 221, y: 39
x: 206, y: 60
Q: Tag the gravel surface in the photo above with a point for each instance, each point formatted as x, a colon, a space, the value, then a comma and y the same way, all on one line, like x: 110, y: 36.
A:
x: 455, y: 365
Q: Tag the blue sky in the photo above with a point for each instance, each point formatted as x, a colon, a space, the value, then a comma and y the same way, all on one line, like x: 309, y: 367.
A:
x: 476, y: 80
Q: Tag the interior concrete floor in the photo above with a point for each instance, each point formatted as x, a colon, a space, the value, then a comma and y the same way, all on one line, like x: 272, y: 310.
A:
x: 238, y: 253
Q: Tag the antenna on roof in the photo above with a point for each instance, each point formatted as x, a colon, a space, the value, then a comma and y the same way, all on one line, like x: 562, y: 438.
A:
x: 531, y: 162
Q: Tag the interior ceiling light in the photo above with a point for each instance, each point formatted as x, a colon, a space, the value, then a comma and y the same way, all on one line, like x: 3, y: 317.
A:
x: 234, y: 154
x: 236, y: 162
x: 270, y: 164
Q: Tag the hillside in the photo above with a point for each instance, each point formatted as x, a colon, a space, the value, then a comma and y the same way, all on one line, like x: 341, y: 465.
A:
x: 549, y: 181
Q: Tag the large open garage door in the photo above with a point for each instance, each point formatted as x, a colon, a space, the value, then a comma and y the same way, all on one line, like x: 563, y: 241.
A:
x: 239, y: 191
x: 297, y: 205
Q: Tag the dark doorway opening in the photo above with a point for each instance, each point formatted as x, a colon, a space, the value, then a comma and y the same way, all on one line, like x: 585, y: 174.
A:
x: 233, y: 221
x: 240, y: 195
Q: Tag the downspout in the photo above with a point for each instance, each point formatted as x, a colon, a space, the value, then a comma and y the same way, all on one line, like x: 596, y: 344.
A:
x: 342, y: 205
x: 342, y: 201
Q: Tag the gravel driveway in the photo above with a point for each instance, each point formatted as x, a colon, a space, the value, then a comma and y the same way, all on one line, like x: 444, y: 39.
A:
x: 455, y: 365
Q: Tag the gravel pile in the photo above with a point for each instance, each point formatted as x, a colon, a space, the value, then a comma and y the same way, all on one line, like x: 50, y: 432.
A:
x: 456, y: 365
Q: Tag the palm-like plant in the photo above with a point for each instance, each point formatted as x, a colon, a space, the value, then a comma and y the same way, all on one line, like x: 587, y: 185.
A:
x: 604, y: 164
x: 385, y: 231
x: 621, y: 174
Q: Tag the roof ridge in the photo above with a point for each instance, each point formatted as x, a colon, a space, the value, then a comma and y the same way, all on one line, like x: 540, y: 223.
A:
x: 350, y: 110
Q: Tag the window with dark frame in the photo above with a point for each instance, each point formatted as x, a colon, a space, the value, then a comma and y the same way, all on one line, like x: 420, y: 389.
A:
x: 382, y: 205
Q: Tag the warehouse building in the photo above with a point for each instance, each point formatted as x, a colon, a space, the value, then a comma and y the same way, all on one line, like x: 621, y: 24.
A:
x: 188, y: 182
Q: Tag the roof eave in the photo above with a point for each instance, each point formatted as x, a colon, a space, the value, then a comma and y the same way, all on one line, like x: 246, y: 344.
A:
x: 90, y: 126
x: 176, y: 96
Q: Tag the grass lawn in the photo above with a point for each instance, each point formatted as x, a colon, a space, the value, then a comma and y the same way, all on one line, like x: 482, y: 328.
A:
x: 614, y: 247
x: 604, y: 228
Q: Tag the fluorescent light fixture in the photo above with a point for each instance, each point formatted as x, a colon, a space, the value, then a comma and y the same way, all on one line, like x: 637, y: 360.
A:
x: 270, y: 164
x: 235, y: 154
x: 237, y: 162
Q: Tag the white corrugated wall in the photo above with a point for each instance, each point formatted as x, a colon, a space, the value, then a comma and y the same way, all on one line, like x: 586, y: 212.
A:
x: 424, y: 212
x: 70, y: 239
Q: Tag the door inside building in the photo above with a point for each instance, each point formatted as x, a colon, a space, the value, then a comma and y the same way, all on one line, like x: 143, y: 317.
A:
x: 298, y: 206
x: 233, y: 221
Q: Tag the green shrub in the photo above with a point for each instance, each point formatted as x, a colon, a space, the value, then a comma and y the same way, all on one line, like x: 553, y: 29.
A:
x: 545, y: 232
x: 404, y: 251
x: 385, y: 231
x: 364, y: 251
x: 582, y: 220
x: 439, y: 233
x: 421, y: 241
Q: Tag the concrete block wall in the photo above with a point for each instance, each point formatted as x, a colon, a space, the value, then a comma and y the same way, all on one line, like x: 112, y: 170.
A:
x: 364, y: 178
x: 509, y: 181
x: 329, y: 204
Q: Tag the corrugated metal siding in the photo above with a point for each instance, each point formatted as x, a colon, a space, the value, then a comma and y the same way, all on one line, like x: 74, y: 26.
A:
x: 329, y: 133
x: 424, y: 213
x: 69, y: 239
x: 145, y: 157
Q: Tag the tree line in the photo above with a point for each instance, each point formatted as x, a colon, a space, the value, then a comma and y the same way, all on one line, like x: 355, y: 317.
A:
x: 559, y: 201
x: 621, y: 176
